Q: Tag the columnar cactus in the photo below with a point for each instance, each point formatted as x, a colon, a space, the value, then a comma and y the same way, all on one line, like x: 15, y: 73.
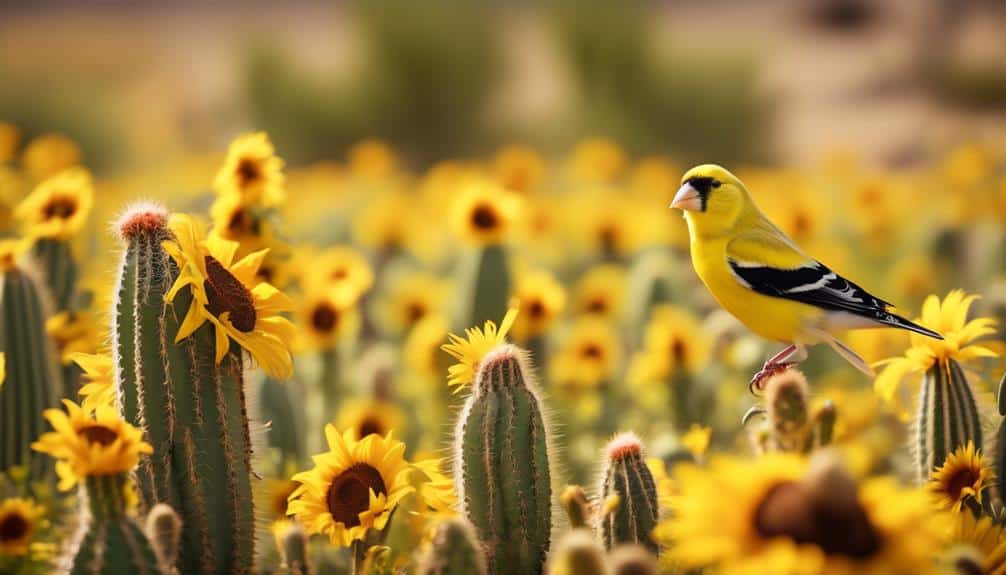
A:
x: 32, y: 379
x: 276, y: 406
x: 191, y: 408
x: 627, y: 480
x: 454, y: 550
x: 947, y: 418
x: 486, y: 277
x: 55, y: 256
x: 502, y: 464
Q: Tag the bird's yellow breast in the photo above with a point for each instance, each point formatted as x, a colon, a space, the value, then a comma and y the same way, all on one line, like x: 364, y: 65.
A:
x: 770, y: 317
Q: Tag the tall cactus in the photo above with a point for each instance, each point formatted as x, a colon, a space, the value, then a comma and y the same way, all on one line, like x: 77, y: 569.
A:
x: 453, y: 550
x: 190, y: 408
x: 33, y: 379
x: 627, y: 478
x: 502, y: 465
x: 947, y: 418
x: 486, y: 281
x: 55, y: 256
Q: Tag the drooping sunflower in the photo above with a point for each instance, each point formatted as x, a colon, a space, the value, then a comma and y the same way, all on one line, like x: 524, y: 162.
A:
x: 86, y: 444
x: 326, y: 317
x: 541, y: 298
x: 409, y: 298
x: 471, y: 349
x: 483, y: 213
x: 674, y: 342
x: 353, y: 487
x: 589, y: 356
x: 99, y: 373
x: 950, y: 319
x: 252, y: 171
x: 374, y: 417
x: 19, y: 521
x: 964, y: 475
x: 229, y: 295
x: 49, y: 154
x: 59, y: 206
x: 601, y: 291
x: 518, y: 168
x: 74, y: 331
x: 777, y: 514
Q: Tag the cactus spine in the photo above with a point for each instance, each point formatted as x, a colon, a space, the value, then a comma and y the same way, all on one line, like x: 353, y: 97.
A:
x: 114, y: 543
x: 502, y: 464
x: 947, y: 418
x: 627, y: 478
x: 192, y: 410
x: 454, y: 550
x: 33, y: 379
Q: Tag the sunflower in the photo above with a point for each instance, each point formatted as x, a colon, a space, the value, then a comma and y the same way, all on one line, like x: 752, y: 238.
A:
x: 470, y: 349
x: 541, y: 298
x: 372, y: 158
x: 353, y: 487
x: 59, y: 206
x: 228, y: 294
x: 252, y: 171
x: 99, y: 371
x: 86, y: 444
x: 964, y: 476
x: 696, y: 439
x: 275, y: 497
x: 423, y: 352
x: 596, y: 160
x: 326, y: 317
x: 601, y: 291
x: 674, y: 342
x: 11, y: 251
x: 361, y: 418
x: 50, y: 154
x: 437, y: 491
x: 980, y: 542
x: 518, y: 168
x: 950, y: 319
x: 19, y: 520
x: 74, y: 332
x: 483, y: 213
x: 338, y: 268
x: 777, y: 514
x: 606, y: 224
x: 589, y: 356
x: 239, y: 222
x: 409, y: 298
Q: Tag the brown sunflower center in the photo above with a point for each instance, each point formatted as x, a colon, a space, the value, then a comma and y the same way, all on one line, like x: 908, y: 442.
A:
x: 13, y: 527
x: 98, y: 434
x: 248, y: 172
x: 226, y: 293
x: 59, y: 208
x: 281, y: 497
x: 597, y: 305
x: 592, y: 351
x: 414, y: 312
x: 349, y: 494
x: 838, y: 527
x: 484, y: 217
x: 679, y: 350
x: 608, y: 237
x: 536, y: 309
x: 240, y: 222
x: 965, y: 477
x: 324, y: 318
x: 340, y: 273
x: 370, y: 426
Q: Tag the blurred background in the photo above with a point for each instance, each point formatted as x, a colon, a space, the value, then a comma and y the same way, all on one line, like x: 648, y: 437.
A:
x: 773, y: 81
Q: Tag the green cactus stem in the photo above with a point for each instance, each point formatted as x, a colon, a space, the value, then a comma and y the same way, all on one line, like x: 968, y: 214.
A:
x: 947, y: 417
x: 502, y: 465
x: 55, y: 257
x: 277, y: 408
x: 626, y: 476
x: 454, y: 550
x: 485, y: 281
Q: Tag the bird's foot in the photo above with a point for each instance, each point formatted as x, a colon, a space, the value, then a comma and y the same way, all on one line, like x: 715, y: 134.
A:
x: 756, y: 384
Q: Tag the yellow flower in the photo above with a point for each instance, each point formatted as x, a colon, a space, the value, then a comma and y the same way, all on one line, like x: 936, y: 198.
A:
x: 252, y: 171
x: 19, y: 520
x: 483, y: 213
x: 601, y: 291
x: 778, y: 515
x: 372, y: 158
x: 86, y: 444
x: 228, y: 294
x: 596, y: 160
x: 541, y: 298
x: 353, y: 487
x: 326, y: 317
x: 470, y: 349
x: 50, y: 154
x: 518, y: 168
x: 423, y: 347
x: 981, y: 539
x: 674, y: 342
x: 964, y: 475
x: 99, y: 371
x: 696, y: 440
x: 338, y: 268
x: 589, y: 356
x: 11, y: 251
x: 239, y: 222
x: 438, y: 490
x: 275, y: 497
x: 59, y: 206
x: 950, y: 319
x: 74, y: 332
x: 408, y: 299
x: 361, y: 418
x: 9, y: 139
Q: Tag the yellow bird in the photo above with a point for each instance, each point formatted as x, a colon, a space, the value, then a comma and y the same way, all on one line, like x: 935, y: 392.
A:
x: 766, y: 281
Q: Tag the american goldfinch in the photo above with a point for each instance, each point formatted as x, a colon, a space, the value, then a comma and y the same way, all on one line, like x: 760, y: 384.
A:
x: 760, y: 276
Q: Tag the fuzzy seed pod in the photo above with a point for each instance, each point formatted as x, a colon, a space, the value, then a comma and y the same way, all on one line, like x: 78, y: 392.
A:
x: 55, y: 257
x: 503, y: 464
x: 578, y: 553
x: 293, y: 546
x: 947, y: 417
x: 627, y: 477
x: 486, y: 281
x: 113, y: 543
x: 574, y: 502
x: 786, y: 404
x: 191, y: 408
x: 633, y: 560
x: 454, y: 550
x: 33, y: 380
x: 164, y: 529
x: 824, y: 425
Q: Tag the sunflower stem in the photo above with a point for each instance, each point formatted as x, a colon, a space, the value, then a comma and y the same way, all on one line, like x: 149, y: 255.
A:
x: 359, y: 549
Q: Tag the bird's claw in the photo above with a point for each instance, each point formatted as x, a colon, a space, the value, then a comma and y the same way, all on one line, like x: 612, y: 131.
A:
x: 767, y: 371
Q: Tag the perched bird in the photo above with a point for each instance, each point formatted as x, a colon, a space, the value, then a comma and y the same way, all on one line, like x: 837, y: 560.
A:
x: 766, y: 281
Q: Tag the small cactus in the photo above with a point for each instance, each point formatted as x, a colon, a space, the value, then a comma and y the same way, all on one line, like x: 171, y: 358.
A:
x: 503, y: 464
x: 454, y: 550
x: 947, y: 417
x: 486, y: 277
x: 578, y: 553
x: 626, y: 477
